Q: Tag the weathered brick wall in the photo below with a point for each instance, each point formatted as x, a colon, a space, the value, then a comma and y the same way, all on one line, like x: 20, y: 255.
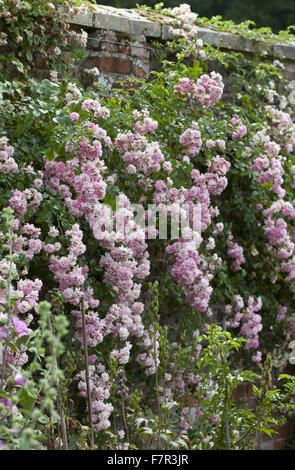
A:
x: 119, y: 43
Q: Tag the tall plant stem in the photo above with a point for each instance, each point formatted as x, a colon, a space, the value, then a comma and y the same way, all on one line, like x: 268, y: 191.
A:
x: 157, y: 392
x: 8, y: 313
x: 63, y: 426
x: 124, y: 417
x: 85, y: 346
x: 226, y: 408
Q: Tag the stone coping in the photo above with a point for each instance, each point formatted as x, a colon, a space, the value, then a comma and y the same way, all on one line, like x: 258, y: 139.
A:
x: 136, y: 22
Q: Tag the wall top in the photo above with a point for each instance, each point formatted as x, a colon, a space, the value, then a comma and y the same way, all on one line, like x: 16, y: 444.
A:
x: 158, y: 26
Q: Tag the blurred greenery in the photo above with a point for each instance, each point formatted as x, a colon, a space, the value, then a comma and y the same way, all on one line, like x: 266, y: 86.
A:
x: 278, y: 14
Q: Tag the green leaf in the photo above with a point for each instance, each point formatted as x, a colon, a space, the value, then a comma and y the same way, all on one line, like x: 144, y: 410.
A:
x: 26, y: 400
x: 4, y: 395
x: 49, y: 154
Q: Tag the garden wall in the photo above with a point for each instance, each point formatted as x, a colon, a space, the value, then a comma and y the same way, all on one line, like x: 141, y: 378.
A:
x: 119, y: 42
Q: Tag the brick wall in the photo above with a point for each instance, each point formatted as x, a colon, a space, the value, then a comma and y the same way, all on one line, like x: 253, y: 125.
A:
x: 119, y: 43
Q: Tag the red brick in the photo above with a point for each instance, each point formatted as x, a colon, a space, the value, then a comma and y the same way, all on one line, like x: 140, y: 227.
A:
x: 278, y: 444
x: 286, y: 430
x: 112, y: 64
x: 139, y: 72
x: 124, y: 49
x: 243, y: 390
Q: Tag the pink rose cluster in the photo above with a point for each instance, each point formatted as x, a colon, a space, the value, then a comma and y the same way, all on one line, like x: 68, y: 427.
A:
x: 248, y: 319
x: 281, y: 212
x: 98, y: 110
x: 239, y: 128
x: 207, y: 90
x: 22, y: 200
x: 100, y: 385
x: 270, y: 171
x: 191, y: 269
x: 141, y: 155
x: 235, y: 251
x: 7, y: 163
x: 183, y: 14
x: 143, y: 123
x: 191, y: 139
